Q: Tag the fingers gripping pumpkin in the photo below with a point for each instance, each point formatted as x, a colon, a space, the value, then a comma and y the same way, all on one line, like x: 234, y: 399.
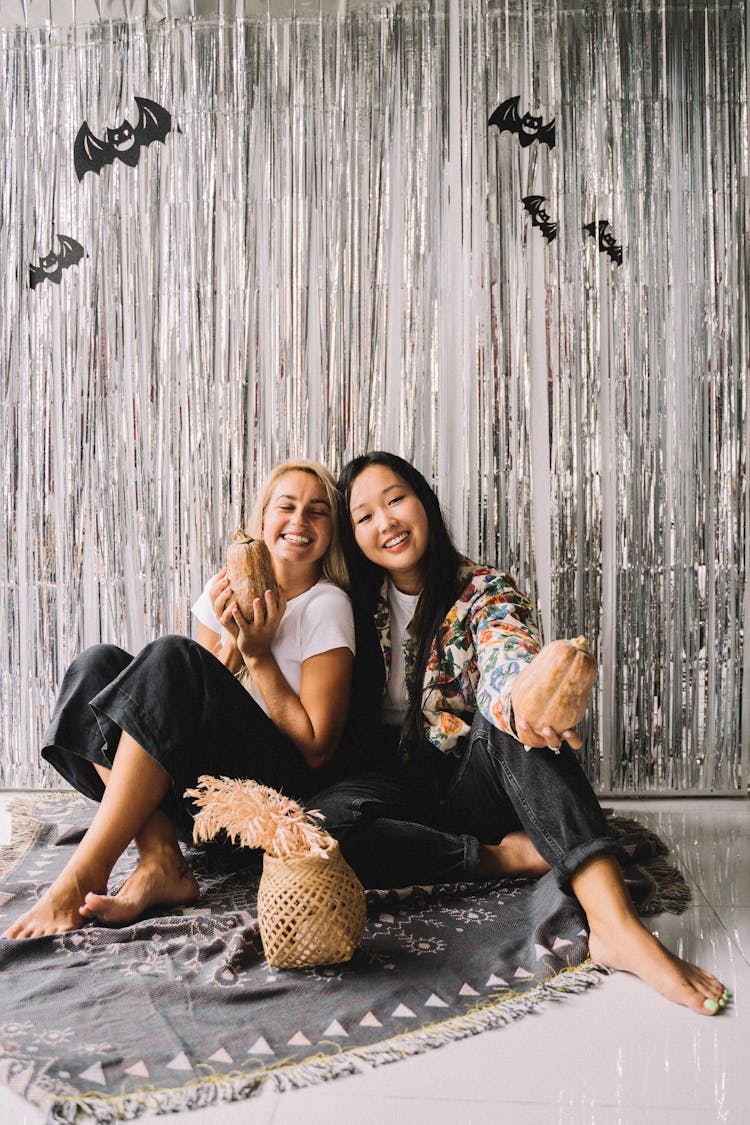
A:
x: 553, y: 690
x: 249, y: 570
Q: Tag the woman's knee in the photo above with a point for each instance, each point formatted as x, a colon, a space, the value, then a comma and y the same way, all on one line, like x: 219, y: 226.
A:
x: 97, y: 665
x: 174, y: 652
x: 364, y: 799
x: 338, y: 807
x: 171, y: 644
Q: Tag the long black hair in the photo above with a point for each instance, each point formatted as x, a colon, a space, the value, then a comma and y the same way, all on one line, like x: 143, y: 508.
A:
x: 441, y: 565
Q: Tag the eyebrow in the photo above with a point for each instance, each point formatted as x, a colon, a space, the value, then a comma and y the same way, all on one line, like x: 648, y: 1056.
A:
x: 389, y: 488
x: 289, y: 496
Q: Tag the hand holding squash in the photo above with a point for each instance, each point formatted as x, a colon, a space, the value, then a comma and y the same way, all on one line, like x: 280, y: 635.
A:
x: 253, y: 602
x: 255, y: 633
x: 550, y: 695
x: 250, y: 571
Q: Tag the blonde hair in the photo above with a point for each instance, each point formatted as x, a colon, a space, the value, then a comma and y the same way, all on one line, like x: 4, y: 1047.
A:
x: 334, y: 564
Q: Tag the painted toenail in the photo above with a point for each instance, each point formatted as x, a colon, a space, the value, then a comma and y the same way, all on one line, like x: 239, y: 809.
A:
x: 722, y: 1002
x: 710, y: 1005
x: 726, y: 994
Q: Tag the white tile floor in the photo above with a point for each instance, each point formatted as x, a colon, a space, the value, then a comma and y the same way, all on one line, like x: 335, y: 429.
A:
x: 615, y: 1055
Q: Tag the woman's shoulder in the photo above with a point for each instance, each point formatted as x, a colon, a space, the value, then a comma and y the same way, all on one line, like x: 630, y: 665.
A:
x: 480, y: 582
x: 325, y: 596
x: 325, y: 618
x: 476, y: 574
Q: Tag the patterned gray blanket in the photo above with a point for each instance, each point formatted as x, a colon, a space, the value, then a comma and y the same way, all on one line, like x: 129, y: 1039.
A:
x: 182, y: 1010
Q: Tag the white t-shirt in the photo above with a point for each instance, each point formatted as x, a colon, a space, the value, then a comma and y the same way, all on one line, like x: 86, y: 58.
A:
x: 395, y: 702
x: 313, y: 622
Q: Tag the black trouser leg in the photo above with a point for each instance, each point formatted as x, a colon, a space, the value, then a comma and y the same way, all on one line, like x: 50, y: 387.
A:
x: 501, y: 786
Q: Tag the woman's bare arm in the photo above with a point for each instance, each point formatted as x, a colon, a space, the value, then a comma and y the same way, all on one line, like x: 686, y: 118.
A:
x: 314, y: 720
x: 224, y: 650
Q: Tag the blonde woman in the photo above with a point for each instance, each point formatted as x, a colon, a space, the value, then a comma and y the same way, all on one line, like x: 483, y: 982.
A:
x: 264, y: 698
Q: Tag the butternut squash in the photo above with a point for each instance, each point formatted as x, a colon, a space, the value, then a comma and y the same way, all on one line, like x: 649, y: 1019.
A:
x: 249, y: 570
x: 553, y: 690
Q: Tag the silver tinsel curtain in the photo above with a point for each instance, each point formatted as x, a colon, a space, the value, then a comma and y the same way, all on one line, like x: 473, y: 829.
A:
x: 329, y: 251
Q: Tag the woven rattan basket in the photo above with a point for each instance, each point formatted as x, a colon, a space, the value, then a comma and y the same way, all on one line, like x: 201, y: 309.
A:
x: 311, y: 905
x: 311, y: 910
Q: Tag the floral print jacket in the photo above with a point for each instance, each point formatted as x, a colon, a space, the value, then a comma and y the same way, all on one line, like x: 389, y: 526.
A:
x: 489, y: 633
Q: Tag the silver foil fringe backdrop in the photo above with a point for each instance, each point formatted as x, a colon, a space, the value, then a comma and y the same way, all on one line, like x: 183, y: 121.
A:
x: 328, y: 252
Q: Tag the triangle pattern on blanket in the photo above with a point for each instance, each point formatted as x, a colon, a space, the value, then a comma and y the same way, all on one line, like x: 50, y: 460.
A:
x: 94, y: 1073
x: 221, y: 1056
x: 260, y: 1047
x: 560, y: 943
x: 435, y: 1002
x: 369, y: 1020
x: 180, y: 1062
x: 138, y: 1070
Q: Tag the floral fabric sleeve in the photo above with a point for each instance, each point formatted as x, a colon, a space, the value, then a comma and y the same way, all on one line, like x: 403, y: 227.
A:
x: 506, y: 637
x: 487, y: 636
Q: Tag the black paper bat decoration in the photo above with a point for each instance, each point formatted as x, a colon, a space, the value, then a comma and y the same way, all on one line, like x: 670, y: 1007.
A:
x: 124, y: 143
x: 51, y: 266
x: 539, y: 216
x: 528, y: 128
x: 607, y: 244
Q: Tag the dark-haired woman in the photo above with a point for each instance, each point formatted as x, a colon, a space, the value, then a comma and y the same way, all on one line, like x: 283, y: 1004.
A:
x: 469, y: 788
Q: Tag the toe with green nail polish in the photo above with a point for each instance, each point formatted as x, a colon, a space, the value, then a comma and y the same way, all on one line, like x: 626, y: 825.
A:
x: 710, y: 1005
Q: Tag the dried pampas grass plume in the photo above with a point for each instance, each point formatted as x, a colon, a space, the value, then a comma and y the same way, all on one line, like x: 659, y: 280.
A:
x: 256, y: 817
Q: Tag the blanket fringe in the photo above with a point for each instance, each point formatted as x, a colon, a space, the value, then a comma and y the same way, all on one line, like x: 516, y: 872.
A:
x: 26, y: 826
x: 669, y: 891
x: 212, y: 1090
x: 625, y: 826
x: 106, y: 1109
x: 486, y: 1015
x: 24, y: 832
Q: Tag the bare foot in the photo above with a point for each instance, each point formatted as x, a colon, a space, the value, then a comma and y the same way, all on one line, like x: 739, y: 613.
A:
x: 633, y: 949
x: 515, y: 856
x: 58, y: 910
x: 160, y: 879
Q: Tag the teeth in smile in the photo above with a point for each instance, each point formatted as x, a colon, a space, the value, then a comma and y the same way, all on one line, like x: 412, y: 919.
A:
x: 296, y: 539
x: 396, y: 539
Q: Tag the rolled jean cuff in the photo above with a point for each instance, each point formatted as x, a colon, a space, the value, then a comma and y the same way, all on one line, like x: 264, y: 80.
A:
x: 601, y: 845
x: 471, y: 858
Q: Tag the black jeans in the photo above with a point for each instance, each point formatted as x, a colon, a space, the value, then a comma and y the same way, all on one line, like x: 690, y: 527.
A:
x: 183, y: 707
x: 393, y: 837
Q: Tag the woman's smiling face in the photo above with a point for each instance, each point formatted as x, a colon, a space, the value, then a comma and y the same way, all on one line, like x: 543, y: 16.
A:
x: 297, y: 520
x: 390, y: 525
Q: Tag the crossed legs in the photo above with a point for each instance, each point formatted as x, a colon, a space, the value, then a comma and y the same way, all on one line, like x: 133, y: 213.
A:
x: 134, y: 787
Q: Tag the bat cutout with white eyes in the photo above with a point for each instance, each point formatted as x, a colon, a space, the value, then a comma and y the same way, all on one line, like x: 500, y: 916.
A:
x: 539, y: 216
x: 91, y: 153
x: 526, y: 127
x: 51, y: 266
x: 606, y: 240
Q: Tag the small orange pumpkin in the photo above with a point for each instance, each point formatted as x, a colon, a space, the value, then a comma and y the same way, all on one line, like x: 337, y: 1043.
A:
x: 249, y: 570
x: 553, y: 690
